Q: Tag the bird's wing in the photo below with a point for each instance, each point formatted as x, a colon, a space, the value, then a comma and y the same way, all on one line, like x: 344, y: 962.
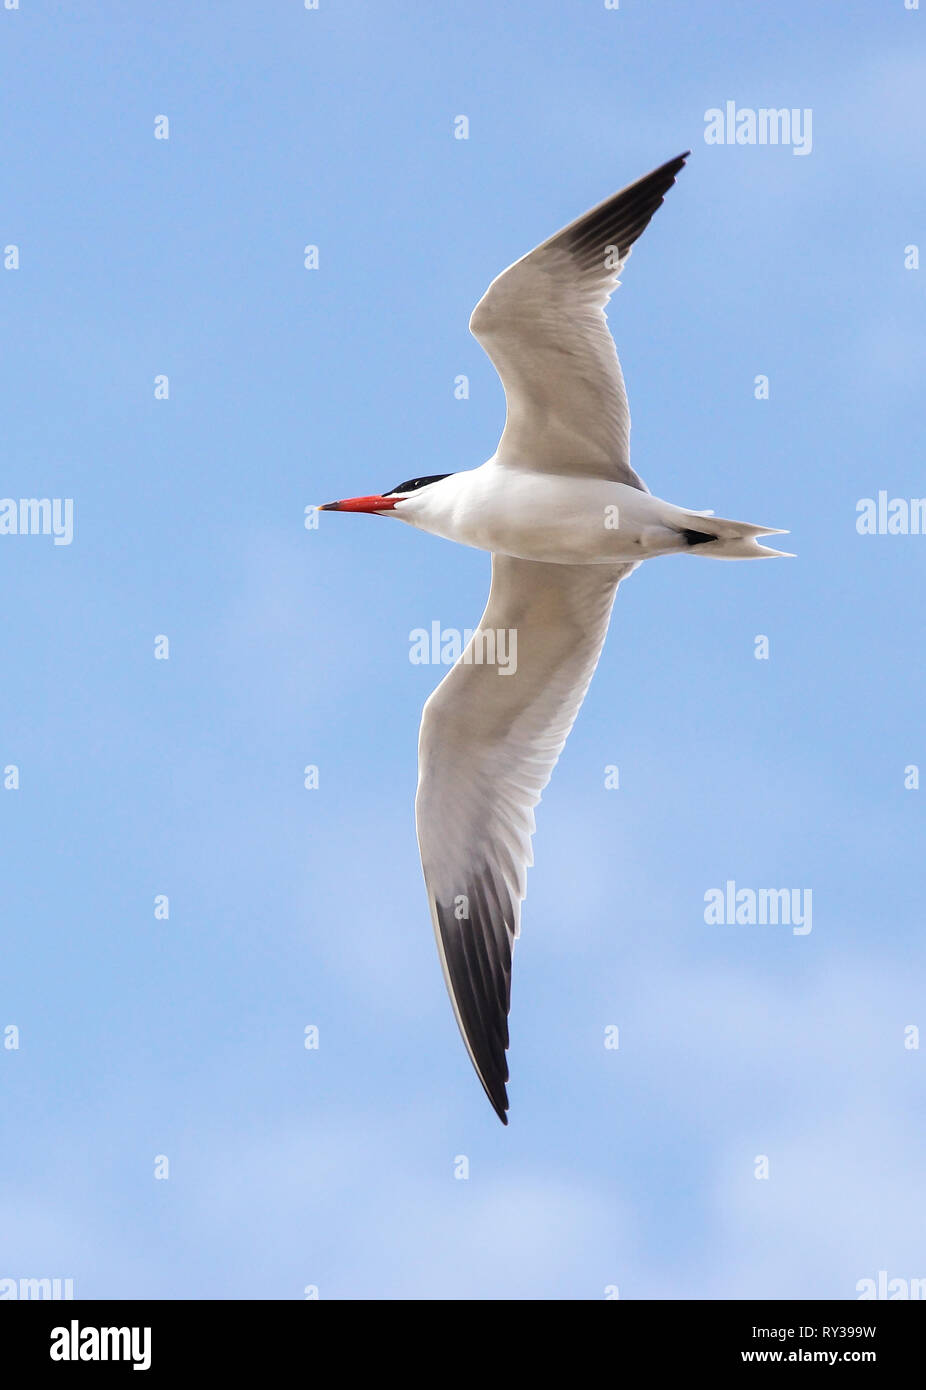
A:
x: 488, y: 744
x: 542, y: 323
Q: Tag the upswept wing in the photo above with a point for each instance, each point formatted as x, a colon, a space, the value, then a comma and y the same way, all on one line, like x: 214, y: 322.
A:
x: 543, y: 325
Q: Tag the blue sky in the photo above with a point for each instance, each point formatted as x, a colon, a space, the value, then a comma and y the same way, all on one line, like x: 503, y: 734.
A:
x: 140, y: 1037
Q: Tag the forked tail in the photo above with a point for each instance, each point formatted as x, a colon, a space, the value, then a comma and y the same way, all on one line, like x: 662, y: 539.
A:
x: 720, y: 539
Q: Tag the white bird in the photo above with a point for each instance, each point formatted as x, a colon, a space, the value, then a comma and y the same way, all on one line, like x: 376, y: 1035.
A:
x: 565, y: 518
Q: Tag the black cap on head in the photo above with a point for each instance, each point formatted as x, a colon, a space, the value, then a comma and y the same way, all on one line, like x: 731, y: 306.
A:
x: 415, y: 483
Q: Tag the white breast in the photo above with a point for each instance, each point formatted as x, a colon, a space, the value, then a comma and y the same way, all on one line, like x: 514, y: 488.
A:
x: 543, y: 516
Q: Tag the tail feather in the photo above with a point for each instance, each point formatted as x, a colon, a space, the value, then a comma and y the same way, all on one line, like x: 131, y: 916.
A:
x: 720, y: 539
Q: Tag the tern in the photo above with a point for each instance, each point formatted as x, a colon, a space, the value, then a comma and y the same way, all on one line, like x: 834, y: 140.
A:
x: 566, y: 519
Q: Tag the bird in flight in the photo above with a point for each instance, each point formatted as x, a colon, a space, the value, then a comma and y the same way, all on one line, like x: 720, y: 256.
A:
x: 566, y: 519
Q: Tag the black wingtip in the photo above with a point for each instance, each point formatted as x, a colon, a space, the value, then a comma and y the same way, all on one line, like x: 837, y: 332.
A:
x: 497, y: 1092
x: 620, y: 219
x: 671, y: 168
x: 499, y: 1101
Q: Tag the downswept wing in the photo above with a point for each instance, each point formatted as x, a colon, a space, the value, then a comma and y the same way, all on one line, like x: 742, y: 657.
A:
x: 543, y: 325
x: 487, y: 746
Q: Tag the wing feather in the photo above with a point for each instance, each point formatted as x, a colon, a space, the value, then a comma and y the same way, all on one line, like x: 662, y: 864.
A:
x: 542, y: 323
x: 488, y: 745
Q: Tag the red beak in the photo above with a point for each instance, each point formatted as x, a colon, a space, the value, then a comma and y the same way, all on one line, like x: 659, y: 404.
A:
x: 362, y: 504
